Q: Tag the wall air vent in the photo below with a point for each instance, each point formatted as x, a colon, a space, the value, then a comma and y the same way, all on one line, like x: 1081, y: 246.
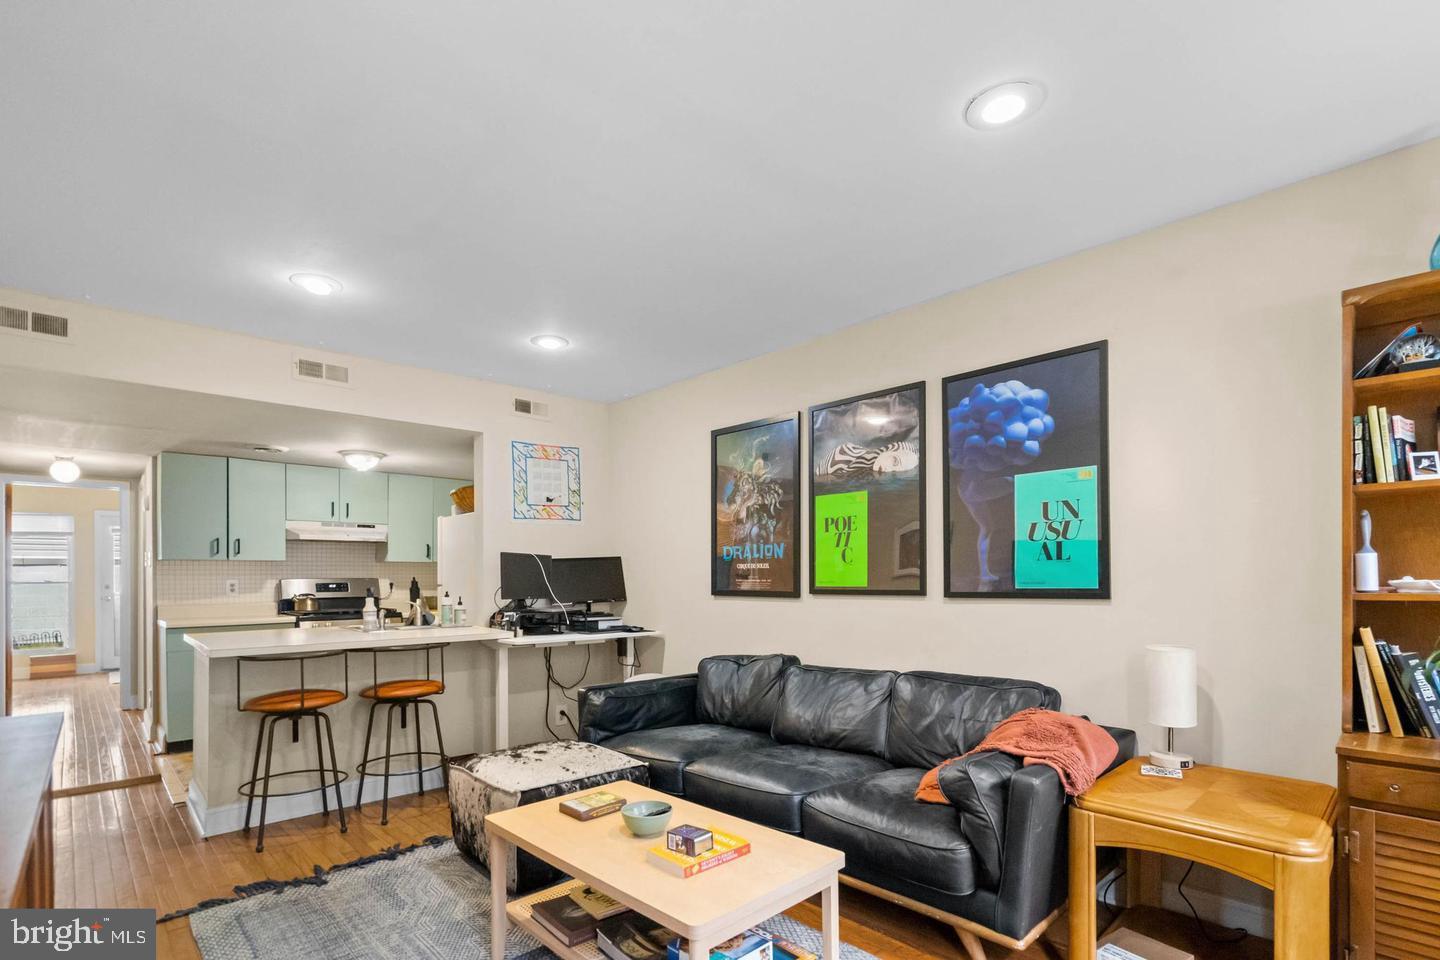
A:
x: 15, y: 320
x: 321, y: 372
x: 532, y: 408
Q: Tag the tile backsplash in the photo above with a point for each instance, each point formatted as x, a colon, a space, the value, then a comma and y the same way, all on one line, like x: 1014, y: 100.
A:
x: 203, y: 581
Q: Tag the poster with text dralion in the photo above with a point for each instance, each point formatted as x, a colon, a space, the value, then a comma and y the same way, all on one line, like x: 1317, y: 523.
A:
x: 1057, y: 545
x: 754, y: 494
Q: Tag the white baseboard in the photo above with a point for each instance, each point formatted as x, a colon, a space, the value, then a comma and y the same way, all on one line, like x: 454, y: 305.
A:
x: 212, y: 821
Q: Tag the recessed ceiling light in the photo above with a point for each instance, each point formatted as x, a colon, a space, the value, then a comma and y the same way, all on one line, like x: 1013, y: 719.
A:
x: 362, y: 460
x: 1004, y: 104
x: 65, y: 470
x: 549, y: 341
x: 316, y: 283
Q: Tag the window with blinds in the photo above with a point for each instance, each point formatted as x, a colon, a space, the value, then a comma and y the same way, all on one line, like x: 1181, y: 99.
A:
x: 42, y: 562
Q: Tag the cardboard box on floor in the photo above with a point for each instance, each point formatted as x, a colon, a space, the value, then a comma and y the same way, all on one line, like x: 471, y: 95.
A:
x: 1136, y: 945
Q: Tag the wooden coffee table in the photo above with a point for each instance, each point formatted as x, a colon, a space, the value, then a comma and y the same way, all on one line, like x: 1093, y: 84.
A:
x: 780, y: 871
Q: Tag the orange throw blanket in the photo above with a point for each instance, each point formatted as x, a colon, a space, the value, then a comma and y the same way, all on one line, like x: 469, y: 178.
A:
x: 1078, y: 750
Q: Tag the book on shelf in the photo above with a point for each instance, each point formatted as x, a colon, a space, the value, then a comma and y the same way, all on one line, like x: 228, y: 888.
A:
x: 727, y: 847
x: 1394, y: 661
x: 750, y: 945
x: 1359, y: 461
x: 1387, y: 446
x: 1382, y: 681
x: 1402, y: 430
x: 785, y: 950
x: 565, y: 919
x: 1369, y: 698
x: 599, y: 905
x: 630, y: 936
x: 1426, y: 700
x: 1377, y: 443
x: 592, y: 805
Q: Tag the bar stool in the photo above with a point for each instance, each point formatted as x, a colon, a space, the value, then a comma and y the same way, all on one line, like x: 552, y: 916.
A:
x: 293, y: 705
x: 403, y: 695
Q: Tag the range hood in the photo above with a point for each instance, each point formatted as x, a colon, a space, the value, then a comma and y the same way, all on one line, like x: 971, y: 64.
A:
x: 336, y: 530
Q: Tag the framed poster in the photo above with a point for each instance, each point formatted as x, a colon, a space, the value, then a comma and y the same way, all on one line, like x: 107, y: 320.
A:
x: 545, y: 481
x: 755, y: 509
x: 1027, y: 478
x: 867, y: 493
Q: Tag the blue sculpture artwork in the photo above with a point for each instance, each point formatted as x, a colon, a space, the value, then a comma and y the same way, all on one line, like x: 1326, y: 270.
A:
x: 993, y: 432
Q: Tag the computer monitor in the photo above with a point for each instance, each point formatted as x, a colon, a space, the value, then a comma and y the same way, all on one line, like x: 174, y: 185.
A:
x: 523, y: 576
x: 588, y: 579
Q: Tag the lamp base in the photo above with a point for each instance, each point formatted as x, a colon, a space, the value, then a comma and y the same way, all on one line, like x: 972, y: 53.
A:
x: 1171, y: 761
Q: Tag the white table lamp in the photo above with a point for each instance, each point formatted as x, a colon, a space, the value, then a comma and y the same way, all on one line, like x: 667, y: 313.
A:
x: 1171, y: 672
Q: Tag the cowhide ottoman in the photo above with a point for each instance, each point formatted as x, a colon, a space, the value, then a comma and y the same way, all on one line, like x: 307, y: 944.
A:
x: 491, y: 782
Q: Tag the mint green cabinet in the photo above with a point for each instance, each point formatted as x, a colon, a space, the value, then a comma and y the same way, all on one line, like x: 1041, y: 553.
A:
x: 364, y: 497
x: 192, y: 507
x: 312, y: 493
x: 412, y: 519
x: 256, y: 510
x: 443, y: 503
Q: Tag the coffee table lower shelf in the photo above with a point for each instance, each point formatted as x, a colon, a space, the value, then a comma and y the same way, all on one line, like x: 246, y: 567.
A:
x: 521, y: 915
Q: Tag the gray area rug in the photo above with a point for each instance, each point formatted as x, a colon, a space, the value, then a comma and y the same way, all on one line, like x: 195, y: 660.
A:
x: 426, y: 903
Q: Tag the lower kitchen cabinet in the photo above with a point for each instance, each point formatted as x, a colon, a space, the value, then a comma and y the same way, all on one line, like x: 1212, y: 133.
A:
x: 177, y: 679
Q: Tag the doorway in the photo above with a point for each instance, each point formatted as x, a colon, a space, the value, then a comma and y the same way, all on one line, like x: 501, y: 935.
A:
x: 110, y: 589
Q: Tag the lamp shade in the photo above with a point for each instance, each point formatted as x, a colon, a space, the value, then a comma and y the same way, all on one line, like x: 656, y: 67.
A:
x: 1172, y: 681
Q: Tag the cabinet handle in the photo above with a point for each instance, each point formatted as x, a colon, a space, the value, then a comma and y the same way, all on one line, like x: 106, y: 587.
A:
x: 215, y: 547
x: 1394, y: 788
x: 427, y: 551
x: 347, y: 510
x: 332, y: 509
x: 237, y: 546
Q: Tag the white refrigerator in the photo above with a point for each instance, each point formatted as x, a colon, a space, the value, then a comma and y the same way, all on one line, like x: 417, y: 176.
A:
x: 457, y: 548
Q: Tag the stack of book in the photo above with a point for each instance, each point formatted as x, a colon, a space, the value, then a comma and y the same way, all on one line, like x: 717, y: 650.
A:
x: 724, y: 847
x: 1381, y: 445
x: 1398, y: 690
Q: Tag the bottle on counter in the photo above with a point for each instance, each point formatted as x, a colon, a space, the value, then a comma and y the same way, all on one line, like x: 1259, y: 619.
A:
x: 370, y: 615
x: 461, y: 616
x: 447, y: 610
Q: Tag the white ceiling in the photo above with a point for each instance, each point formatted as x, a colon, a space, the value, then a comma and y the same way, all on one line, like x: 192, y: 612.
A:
x: 675, y: 186
x: 113, y: 428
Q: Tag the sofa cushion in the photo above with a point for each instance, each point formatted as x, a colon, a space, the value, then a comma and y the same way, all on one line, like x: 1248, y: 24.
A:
x: 835, y: 708
x: 884, y: 831
x: 936, y: 716
x: 769, y: 785
x: 668, y: 750
x: 978, y: 786
x: 741, y: 691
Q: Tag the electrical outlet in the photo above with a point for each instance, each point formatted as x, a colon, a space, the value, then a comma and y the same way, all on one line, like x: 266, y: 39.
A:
x: 232, y: 587
x: 558, y: 713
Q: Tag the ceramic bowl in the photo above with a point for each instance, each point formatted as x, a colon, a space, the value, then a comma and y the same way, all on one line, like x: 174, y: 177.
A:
x: 646, y: 818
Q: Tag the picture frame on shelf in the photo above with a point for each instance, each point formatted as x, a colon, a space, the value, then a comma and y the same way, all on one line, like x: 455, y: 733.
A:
x: 1424, y: 464
x: 755, y: 508
x: 1027, y: 478
x: 867, y: 494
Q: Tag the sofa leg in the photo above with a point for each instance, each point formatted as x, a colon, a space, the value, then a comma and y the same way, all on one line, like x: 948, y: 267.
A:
x: 973, y: 947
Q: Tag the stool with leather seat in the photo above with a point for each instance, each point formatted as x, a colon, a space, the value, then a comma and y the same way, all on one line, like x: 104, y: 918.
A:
x: 405, y: 695
x: 293, y: 705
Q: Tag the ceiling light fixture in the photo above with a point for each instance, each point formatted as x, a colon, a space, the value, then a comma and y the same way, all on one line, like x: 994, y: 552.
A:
x: 316, y: 283
x: 549, y: 341
x: 1004, y: 104
x: 65, y: 470
x: 362, y: 460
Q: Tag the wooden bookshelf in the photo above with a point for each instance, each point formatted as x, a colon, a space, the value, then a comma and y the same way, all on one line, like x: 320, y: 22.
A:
x: 1389, y: 785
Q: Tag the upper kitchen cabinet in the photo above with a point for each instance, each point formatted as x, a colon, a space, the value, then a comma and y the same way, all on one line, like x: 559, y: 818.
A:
x: 443, y: 503
x: 412, y: 519
x: 192, y: 507
x: 256, y: 510
x: 312, y: 493
x: 364, y: 497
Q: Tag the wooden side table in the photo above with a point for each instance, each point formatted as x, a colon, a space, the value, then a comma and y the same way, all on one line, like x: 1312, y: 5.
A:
x: 1274, y: 831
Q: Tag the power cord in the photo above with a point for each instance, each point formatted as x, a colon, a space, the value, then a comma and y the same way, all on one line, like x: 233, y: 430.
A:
x: 564, y: 611
x: 564, y: 688
x: 1105, y: 892
x: 1236, y: 933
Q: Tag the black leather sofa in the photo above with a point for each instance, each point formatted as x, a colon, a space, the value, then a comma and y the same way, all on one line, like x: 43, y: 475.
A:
x: 835, y: 755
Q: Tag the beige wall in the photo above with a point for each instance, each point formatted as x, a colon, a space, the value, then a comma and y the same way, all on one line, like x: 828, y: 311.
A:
x: 1224, y: 380
x: 79, y: 503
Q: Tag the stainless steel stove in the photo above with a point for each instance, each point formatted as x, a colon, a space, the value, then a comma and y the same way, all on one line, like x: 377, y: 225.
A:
x: 338, y: 602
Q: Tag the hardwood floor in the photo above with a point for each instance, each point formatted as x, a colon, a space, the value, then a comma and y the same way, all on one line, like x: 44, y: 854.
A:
x: 100, y: 743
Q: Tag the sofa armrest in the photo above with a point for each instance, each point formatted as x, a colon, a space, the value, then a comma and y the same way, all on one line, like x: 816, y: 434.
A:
x: 1034, y: 875
x: 1125, y: 740
x: 610, y: 709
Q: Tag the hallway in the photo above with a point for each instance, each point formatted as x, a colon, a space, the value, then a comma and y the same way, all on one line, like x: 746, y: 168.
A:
x: 101, y: 747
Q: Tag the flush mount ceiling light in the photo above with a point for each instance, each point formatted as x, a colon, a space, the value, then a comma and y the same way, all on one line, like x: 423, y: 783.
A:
x: 65, y: 470
x: 316, y: 283
x: 549, y: 341
x: 1004, y: 104
x: 362, y: 460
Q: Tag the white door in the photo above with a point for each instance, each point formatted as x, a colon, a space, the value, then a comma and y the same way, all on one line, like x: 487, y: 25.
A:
x: 109, y: 583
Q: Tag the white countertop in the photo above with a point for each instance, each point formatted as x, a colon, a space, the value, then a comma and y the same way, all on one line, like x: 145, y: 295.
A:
x: 264, y: 643
x: 177, y: 616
